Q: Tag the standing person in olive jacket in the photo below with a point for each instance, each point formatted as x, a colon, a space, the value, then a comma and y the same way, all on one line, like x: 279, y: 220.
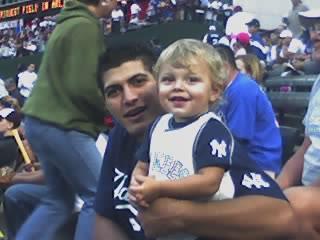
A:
x: 64, y: 115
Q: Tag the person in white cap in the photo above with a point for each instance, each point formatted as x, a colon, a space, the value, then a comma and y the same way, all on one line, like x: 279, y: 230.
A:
x: 310, y: 64
x: 290, y: 45
x: 300, y: 175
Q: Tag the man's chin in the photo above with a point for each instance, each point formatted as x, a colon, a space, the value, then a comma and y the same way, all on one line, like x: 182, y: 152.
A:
x: 137, y: 129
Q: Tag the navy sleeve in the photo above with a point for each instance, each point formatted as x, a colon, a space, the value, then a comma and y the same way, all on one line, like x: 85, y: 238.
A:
x: 241, y: 113
x: 104, y: 196
x: 253, y: 182
x: 142, y: 154
x: 214, y: 146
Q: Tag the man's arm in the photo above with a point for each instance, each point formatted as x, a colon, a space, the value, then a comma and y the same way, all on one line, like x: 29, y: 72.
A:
x: 106, y: 229
x: 292, y: 170
x: 36, y: 177
x: 250, y: 217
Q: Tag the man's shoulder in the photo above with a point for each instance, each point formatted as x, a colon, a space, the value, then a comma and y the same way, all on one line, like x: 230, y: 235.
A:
x: 121, y: 139
x: 244, y: 85
x: 119, y: 133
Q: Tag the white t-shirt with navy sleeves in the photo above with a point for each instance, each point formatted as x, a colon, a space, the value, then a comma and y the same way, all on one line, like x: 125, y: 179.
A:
x: 176, y: 150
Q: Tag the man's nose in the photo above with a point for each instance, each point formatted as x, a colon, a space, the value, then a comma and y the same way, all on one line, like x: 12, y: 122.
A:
x: 130, y: 95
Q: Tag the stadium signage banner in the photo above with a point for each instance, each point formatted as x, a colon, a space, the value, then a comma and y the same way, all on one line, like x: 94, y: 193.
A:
x: 34, y: 8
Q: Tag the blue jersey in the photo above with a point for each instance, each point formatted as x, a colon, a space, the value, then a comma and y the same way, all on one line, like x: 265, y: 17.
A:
x: 111, y: 198
x: 249, y: 115
x: 258, y: 46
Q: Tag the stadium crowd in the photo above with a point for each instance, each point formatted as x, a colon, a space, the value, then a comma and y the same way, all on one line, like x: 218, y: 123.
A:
x: 29, y: 36
x: 231, y: 158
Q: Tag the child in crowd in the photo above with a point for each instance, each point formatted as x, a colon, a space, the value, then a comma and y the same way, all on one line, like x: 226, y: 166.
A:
x: 189, y: 153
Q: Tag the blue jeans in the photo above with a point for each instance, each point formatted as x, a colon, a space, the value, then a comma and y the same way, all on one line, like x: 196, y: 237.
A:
x: 71, y: 163
x: 19, y: 202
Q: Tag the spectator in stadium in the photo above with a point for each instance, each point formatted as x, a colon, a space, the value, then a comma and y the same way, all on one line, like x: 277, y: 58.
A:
x: 257, y: 44
x: 130, y: 93
x: 166, y: 10
x: 68, y: 107
x: 135, y: 10
x: 251, y: 65
x: 3, y: 90
x: 291, y: 47
x: 13, y: 91
x: 190, y: 8
x: 311, y: 64
x: 26, y: 81
x: 213, y: 36
x: 274, y: 45
x: 117, y: 18
x: 300, y: 175
x: 9, y: 119
x: 294, y: 24
x: 241, y: 44
x: 25, y: 191
x: 180, y: 10
x: 249, y: 115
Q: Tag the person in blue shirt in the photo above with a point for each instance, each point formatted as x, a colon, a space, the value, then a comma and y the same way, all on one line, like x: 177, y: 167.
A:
x: 300, y: 175
x: 249, y: 115
x: 131, y: 97
x: 257, y: 44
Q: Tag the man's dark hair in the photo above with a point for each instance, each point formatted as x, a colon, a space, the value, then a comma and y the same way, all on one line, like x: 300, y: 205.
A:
x: 226, y: 54
x: 117, y: 55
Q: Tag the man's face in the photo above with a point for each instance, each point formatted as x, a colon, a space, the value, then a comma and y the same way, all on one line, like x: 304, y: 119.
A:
x: 31, y: 68
x: 131, y: 96
x: 5, y: 125
x: 252, y: 29
x: 286, y: 41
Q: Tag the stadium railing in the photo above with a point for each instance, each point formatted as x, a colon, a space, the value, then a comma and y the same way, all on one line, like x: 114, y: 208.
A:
x: 290, y: 98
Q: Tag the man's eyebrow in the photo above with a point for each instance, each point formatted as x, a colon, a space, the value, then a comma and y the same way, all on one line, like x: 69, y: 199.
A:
x: 130, y: 79
x: 137, y: 75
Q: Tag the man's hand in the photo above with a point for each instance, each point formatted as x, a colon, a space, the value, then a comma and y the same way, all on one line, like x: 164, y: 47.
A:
x: 6, y: 175
x: 161, y: 217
